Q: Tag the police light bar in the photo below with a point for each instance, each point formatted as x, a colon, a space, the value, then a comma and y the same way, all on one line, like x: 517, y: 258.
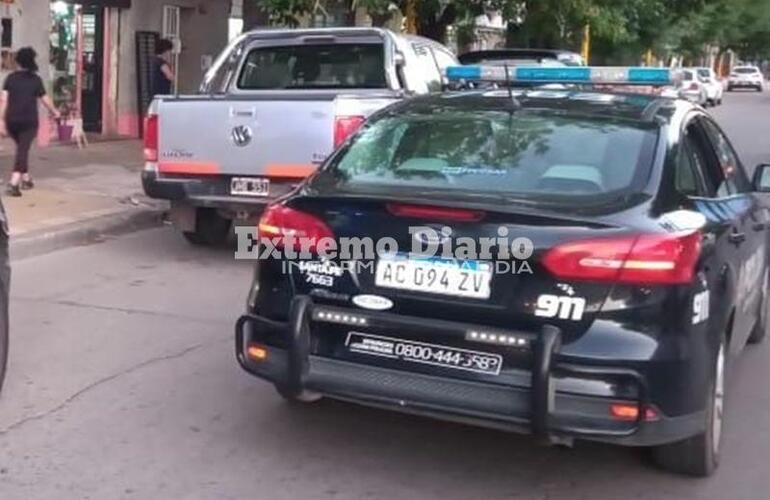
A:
x: 596, y: 75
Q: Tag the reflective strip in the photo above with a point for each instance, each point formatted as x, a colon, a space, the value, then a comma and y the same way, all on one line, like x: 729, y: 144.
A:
x: 189, y: 167
x: 290, y: 171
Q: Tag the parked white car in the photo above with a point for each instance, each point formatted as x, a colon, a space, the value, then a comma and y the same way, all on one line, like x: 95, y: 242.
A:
x: 714, y: 87
x: 743, y: 77
x: 692, y: 87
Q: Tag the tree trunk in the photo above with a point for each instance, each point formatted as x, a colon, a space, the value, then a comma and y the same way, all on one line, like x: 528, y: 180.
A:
x: 379, y: 20
x: 254, y: 15
x: 350, y: 14
x: 434, y: 26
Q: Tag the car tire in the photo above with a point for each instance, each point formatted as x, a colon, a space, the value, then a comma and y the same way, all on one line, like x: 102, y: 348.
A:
x: 211, y: 229
x: 699, y: 455
x: 759, y: 332
x: 304, y: 397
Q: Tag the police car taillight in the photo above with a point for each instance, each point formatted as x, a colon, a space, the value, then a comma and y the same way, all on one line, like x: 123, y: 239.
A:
x: 299, y: 229
x: 151, y: 131
x: 345, y: 126
x: 638, y: 259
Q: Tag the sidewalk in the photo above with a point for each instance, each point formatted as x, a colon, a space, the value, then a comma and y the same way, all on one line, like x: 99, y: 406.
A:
x: 80, y: 195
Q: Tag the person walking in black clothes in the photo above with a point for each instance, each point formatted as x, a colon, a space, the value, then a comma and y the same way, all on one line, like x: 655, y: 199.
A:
x: 22, y: 91
x: 162, y: 74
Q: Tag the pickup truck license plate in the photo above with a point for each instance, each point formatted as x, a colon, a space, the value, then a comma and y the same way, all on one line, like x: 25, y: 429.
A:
x: 468, y: 278
x: 426, y: 354
x: 249, y: 186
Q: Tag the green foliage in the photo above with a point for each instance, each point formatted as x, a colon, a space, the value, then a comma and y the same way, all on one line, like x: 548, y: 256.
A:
x: 620, y: 29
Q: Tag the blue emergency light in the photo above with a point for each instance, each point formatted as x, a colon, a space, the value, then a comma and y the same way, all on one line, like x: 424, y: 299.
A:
x: 596, y: 75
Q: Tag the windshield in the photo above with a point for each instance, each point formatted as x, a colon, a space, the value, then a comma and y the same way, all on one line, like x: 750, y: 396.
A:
x: 704, y: 73
x: 517, y: 155
x: 746, y: 71
x: 328, y: 66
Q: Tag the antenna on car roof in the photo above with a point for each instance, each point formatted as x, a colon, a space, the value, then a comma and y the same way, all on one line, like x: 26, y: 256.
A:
x: 516, y: 104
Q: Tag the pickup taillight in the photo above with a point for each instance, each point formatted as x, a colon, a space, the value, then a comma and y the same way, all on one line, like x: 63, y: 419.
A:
x: 151, y: 138
x: 345, y: 126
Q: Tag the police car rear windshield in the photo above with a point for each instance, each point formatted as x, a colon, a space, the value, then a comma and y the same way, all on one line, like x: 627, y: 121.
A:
x: 532, y: 156
x: 317, y: 66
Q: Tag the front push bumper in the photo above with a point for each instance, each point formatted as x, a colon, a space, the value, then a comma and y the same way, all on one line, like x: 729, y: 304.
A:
x: 547, y: 401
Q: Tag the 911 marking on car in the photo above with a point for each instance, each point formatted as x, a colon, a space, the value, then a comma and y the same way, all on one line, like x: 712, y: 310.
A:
x: 561, y: 306
x: 700, y: 307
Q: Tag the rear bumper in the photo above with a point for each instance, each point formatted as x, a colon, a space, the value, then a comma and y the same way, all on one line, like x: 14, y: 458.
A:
x: 211, y: 191
x: 744, y: 84
x: 549, y: 401
x: 692, y: 96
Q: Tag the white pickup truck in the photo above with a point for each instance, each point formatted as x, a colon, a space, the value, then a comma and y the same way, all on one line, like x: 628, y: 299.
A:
x: 271, y: 109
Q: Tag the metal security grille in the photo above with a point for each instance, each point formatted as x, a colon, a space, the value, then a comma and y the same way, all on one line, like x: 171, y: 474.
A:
x: 172, y: 31
x: 146, y: 41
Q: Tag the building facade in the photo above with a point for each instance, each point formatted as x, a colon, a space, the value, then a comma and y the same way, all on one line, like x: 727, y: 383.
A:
x: 91, y: 52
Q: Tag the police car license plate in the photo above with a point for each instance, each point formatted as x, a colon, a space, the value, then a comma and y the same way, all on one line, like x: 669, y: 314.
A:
x: 468, y: 278
x: 249, y: 186
x: 426, y: 354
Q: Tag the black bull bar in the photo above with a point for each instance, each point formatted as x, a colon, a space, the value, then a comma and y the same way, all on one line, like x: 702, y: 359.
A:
x: 545, y: 351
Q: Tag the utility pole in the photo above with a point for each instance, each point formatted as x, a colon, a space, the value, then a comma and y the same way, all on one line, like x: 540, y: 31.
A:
x: 411, y: 16
x: 586, y: 48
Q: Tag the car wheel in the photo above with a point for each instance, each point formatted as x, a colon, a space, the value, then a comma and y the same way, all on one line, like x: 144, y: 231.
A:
x: 699, y: 455
x: 305, y: 397
x: 211, y: 229
x: 729, y: 89
x: 760, y: 328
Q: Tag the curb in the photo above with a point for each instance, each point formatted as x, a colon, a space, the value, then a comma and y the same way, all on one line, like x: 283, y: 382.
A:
x: 84, y: 232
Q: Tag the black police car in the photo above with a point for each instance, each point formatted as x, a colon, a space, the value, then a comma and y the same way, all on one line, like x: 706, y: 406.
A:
x: 628, y: 267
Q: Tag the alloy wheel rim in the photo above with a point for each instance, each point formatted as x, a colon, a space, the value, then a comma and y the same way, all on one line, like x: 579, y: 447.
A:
x: 719, y: 400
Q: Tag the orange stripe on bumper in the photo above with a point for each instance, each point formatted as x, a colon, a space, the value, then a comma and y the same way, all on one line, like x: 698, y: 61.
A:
x: 188, y: 167
x: 289, y: 171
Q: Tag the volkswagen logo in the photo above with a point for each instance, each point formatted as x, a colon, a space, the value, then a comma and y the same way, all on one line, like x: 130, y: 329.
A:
x: 241, y: 135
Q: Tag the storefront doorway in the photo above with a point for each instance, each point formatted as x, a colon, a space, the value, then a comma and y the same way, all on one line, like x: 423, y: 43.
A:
x: 77, y: 56
x: 92, y: 67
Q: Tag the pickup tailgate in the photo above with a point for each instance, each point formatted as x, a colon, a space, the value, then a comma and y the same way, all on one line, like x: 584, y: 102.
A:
x: 272, y: 133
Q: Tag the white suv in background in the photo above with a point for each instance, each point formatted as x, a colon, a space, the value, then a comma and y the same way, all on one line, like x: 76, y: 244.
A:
x: 714, y: 87
x: 746, y: 77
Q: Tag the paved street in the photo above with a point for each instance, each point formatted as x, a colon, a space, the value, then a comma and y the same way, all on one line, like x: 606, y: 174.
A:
x: 123, y: 384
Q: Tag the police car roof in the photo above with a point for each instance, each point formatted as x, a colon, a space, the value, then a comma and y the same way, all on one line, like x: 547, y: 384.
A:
x: 624, y: 106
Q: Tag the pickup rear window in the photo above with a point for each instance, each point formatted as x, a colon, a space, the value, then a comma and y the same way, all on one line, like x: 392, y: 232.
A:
x: 561, y: 159
x: 323, y: 66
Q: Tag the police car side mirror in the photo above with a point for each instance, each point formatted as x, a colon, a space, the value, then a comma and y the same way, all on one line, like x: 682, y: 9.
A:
x: 762, y: 178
